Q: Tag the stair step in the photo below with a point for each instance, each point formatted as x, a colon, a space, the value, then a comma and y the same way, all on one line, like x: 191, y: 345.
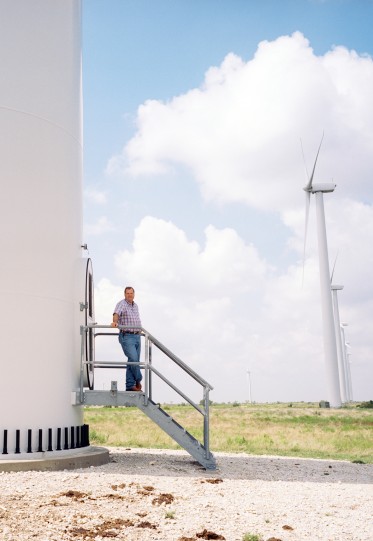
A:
x: 179, y: 434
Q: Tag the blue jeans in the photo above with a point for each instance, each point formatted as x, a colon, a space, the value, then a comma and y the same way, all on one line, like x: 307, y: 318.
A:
x: 131, y: 345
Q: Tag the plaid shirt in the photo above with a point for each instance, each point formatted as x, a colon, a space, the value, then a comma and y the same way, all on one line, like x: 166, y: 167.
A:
x: 128, y: 315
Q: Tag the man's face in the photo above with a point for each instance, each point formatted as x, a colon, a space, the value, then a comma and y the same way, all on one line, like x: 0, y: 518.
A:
x: 129, y: 295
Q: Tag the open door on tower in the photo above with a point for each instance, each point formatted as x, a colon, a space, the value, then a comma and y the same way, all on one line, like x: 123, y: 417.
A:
x: 89, y: 319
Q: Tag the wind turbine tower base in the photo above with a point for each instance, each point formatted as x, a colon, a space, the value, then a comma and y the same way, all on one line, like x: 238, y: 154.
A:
x: 65, y: 460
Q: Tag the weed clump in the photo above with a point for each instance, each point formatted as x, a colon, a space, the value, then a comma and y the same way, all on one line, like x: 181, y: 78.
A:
x: 366, y: 405
x: 251, y: 537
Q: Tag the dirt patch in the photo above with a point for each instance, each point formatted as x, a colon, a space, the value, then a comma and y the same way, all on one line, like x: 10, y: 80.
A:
x: 206, y: 534
x: 167, y: 499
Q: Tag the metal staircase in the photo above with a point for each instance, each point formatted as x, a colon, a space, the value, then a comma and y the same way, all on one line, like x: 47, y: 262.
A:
x: 87, y: 395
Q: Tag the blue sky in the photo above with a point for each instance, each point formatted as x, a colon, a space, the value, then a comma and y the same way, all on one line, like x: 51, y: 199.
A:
x: 203, y: 211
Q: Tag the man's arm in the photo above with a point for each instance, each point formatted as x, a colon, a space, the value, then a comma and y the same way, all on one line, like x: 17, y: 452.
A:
x: 115, y: 320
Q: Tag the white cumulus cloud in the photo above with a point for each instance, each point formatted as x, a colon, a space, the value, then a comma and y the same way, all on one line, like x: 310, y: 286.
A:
x: 102, y: 225
x: 95, y: 196
x: 239, y: 133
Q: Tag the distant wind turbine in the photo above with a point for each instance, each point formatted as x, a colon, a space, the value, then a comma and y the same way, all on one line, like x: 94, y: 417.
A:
x: 347, y: 367
x: 330, y: 348
x: 338, y: 337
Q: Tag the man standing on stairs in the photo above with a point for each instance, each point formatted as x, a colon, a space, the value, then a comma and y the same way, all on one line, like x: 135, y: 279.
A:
x: 126, y: 314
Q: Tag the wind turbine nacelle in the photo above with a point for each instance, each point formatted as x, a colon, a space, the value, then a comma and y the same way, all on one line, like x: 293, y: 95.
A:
x: 324, y: 187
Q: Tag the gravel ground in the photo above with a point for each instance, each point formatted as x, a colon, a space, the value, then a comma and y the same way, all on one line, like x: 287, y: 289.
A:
x: 165, y: 495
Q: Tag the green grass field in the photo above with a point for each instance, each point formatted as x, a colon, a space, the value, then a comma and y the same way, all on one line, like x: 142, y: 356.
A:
x: 300, y: 429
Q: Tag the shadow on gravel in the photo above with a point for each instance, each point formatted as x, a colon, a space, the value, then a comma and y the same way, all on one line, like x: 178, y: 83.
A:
x: 180, y: 464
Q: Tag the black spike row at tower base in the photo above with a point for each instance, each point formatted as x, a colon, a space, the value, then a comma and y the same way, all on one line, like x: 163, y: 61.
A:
x: 79, y: 437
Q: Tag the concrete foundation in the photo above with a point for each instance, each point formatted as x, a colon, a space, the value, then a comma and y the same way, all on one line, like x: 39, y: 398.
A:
x: 92, y: 456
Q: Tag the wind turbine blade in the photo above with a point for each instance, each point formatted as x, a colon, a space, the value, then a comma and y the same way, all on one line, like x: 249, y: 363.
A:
x: 308, y: 198
x: 335, y: 261
x: 309, y: 184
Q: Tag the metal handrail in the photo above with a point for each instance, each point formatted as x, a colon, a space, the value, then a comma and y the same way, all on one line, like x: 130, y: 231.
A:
x: 149, y: 370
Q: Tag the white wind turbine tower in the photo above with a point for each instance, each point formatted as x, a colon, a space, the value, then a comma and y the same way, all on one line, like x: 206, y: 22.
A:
x: 330, y: 348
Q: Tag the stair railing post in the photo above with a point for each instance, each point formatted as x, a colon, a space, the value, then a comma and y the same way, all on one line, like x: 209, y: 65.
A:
x: 81, y: 395
x: 150, y: 371
x: 206, y: 422
x: 146, y: 369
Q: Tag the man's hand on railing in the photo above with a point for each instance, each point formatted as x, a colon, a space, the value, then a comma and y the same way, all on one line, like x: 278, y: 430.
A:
x: 115, y: 320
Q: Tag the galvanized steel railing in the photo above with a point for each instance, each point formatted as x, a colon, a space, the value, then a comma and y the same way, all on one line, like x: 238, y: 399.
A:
x: 149, y: 370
